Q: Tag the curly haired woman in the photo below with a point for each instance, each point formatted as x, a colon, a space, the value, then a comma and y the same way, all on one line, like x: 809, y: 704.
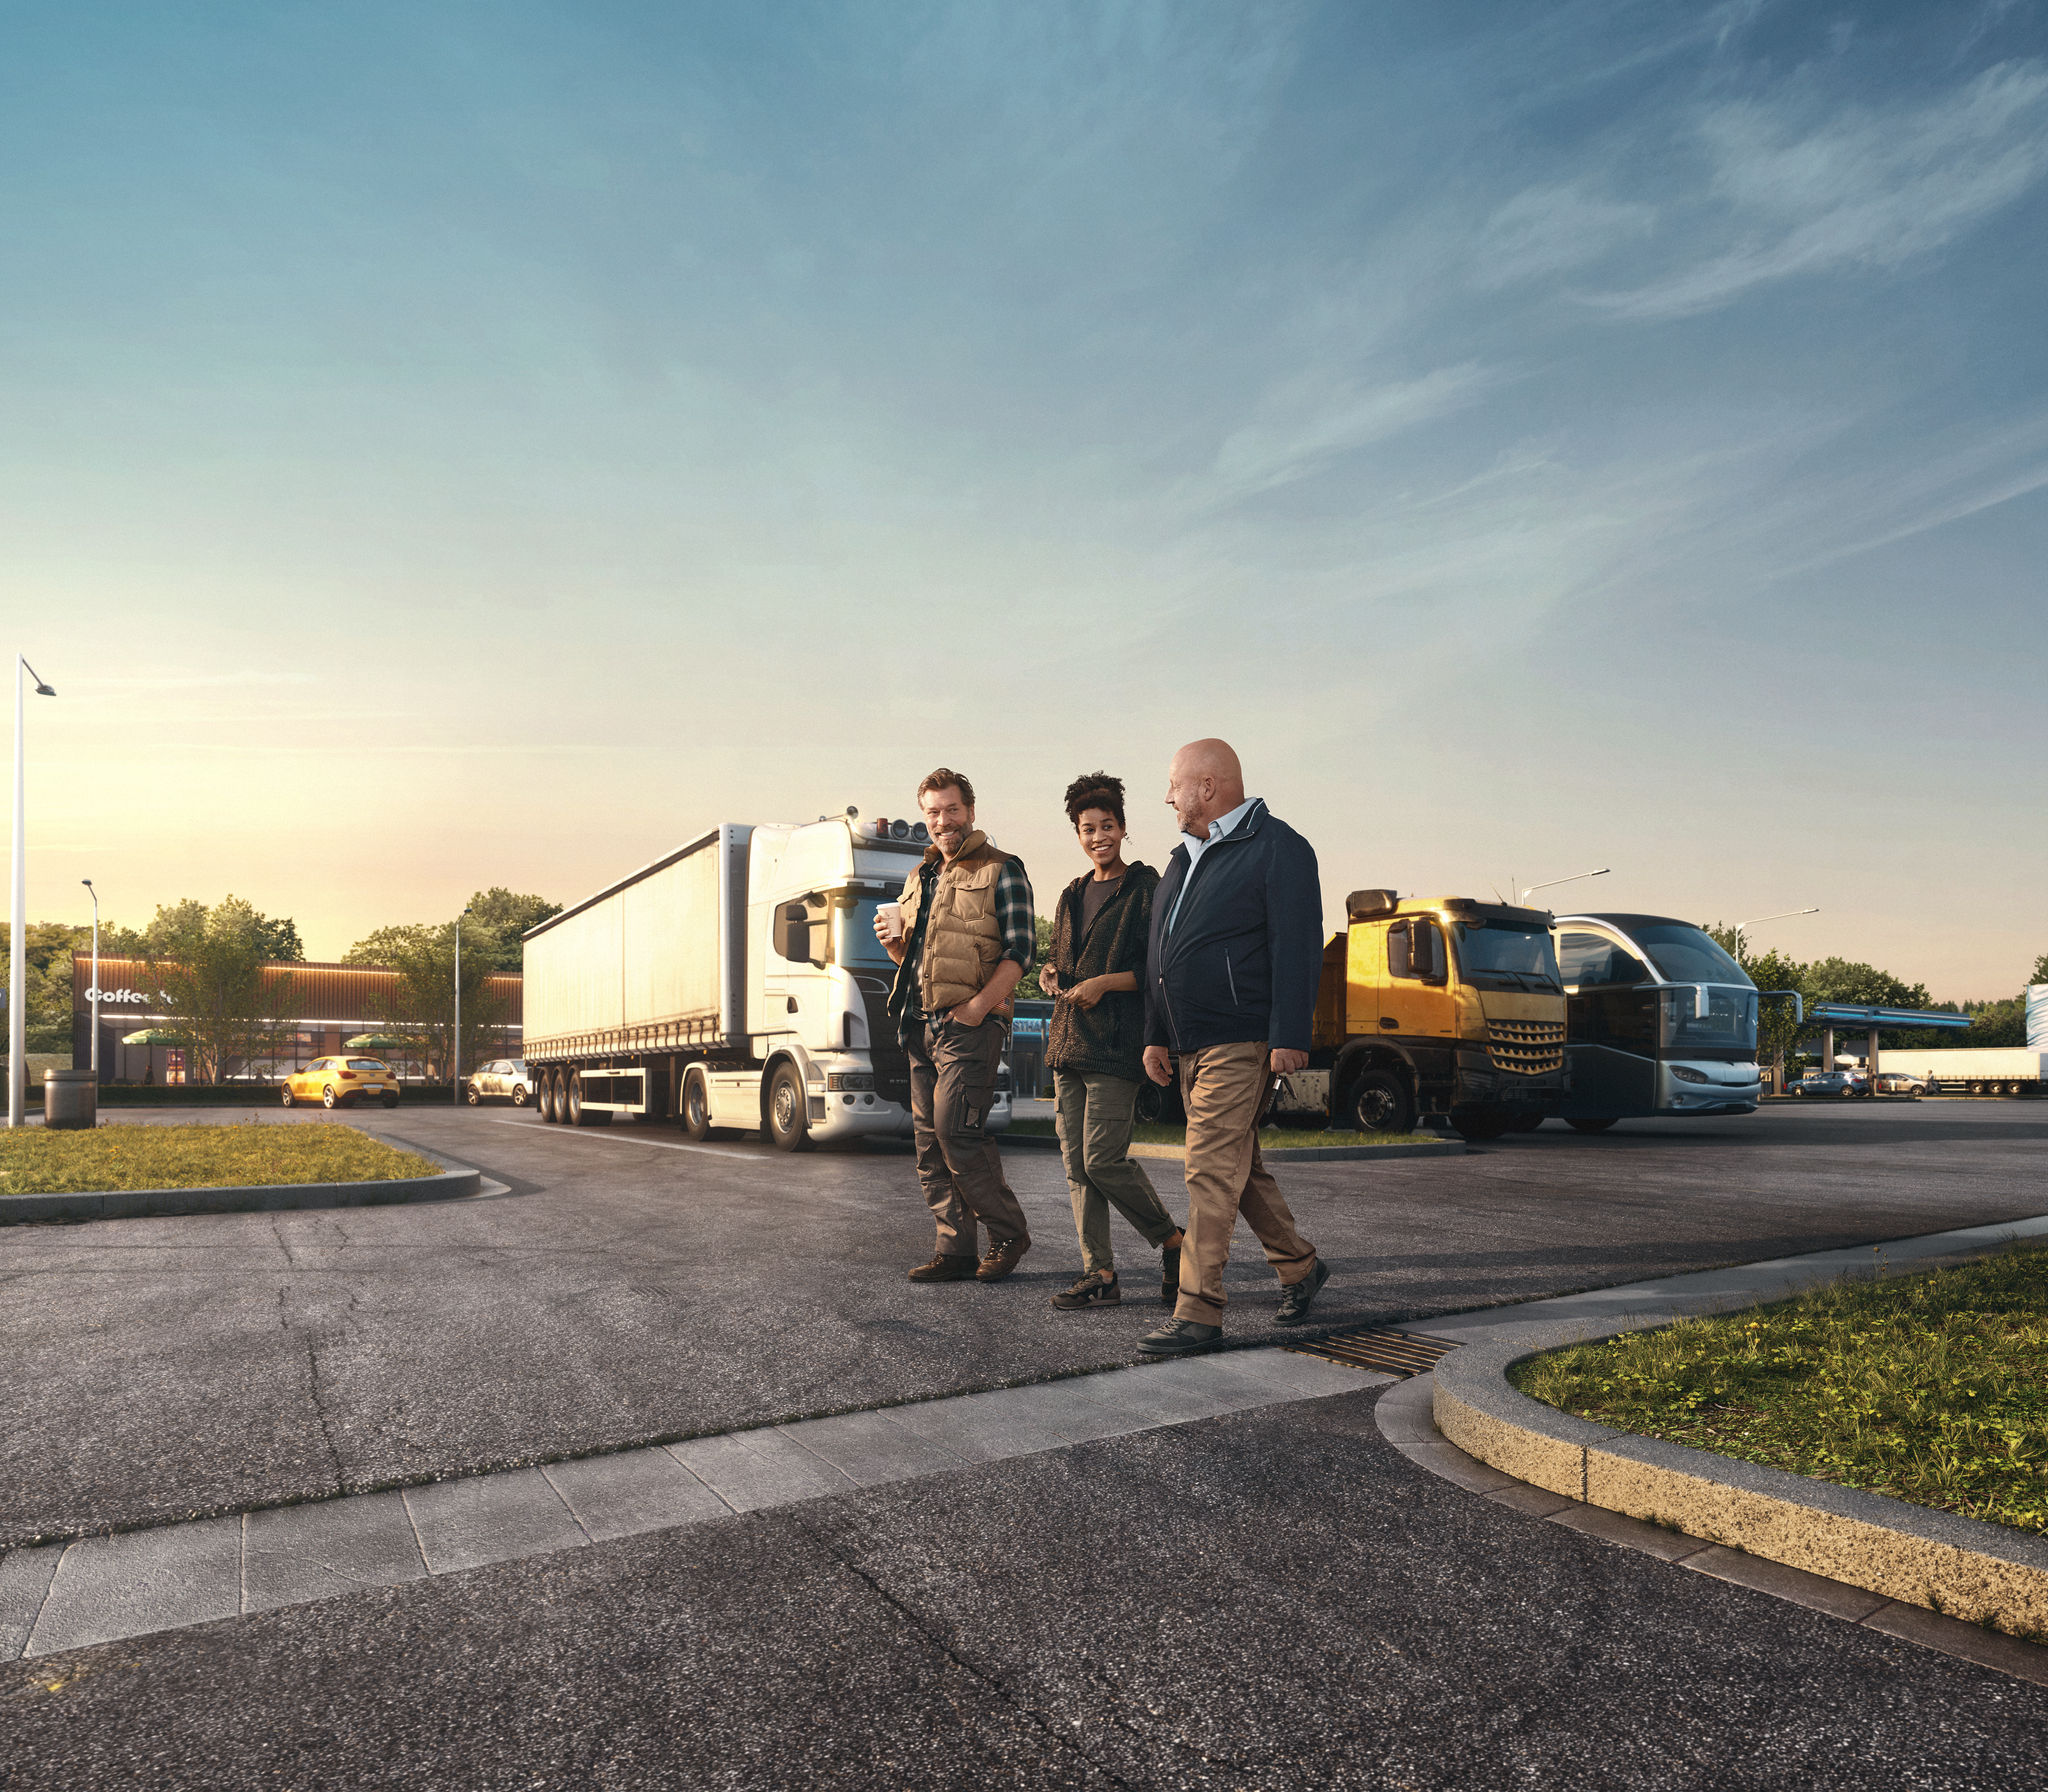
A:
x: 1097, y: 1042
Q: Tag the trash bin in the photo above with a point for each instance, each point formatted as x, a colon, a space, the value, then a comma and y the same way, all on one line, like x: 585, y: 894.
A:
x: 71, y: 1098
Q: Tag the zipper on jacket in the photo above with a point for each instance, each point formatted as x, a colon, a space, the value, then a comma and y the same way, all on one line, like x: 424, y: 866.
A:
x: 1172, y: 1025
x: 1232, y: 975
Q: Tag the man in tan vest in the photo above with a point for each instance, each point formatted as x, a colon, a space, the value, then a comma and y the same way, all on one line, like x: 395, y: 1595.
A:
x: 965, y: 936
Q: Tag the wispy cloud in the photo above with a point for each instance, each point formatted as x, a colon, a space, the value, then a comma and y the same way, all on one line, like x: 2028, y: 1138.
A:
x: 1865, y: 189
x: 1305, y: 424
x: 1546, y: 230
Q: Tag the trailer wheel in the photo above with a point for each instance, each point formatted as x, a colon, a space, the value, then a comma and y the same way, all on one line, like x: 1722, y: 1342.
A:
x: 696, y: 1105
x: 1379, y: 1102
x: 789, y: 1124
x: 572, y: 1102
x: 1599, y: 1125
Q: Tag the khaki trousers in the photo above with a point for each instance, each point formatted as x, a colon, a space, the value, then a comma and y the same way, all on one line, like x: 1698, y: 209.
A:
x: 1222, y: 1087
x: 952, y: 1082
x: 1094, y: 1116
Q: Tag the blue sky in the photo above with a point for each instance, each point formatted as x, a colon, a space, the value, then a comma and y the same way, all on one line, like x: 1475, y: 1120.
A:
x: 449, y: 445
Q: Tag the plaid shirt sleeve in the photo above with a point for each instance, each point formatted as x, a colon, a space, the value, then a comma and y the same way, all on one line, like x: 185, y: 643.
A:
x: 1015, y: 912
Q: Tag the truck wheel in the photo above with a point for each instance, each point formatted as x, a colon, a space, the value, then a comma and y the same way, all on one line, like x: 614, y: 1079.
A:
x: 1528, y: 1120
x: 1600, y: 1125
x: 572, y: 1101
x: 1379, y: 1102
x: 1479, y: 1124
x: 789, y: 1124
x: 696, y: 1105
x: 544, y: 1097
x: 1159, y: 1104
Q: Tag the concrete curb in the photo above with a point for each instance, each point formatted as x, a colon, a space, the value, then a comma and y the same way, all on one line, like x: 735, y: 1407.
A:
x: 262, y: 1197
x: 1962, y: 1567
x: 1291, y: 1154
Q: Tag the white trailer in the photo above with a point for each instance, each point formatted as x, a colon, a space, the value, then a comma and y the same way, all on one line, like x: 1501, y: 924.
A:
x: 734, y: 984
x: 1974, y: 1070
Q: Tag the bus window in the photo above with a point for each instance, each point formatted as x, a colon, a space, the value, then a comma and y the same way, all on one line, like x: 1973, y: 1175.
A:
x: 1592, y: 960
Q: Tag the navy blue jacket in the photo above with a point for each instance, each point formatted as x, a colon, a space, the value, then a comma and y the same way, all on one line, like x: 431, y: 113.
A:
x: 1245, y: 954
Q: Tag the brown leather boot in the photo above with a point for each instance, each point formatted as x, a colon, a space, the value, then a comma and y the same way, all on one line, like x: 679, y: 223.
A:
x: 1002, y: 1259
x: 944, y: 1269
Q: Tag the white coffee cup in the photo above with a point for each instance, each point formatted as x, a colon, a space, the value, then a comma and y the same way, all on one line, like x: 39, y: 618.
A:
x: 890, y: 914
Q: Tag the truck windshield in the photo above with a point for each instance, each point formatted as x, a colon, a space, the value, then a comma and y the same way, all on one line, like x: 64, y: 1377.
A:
x: 854, y: 944
x: 1686, y: 955
x: 1506, y: 957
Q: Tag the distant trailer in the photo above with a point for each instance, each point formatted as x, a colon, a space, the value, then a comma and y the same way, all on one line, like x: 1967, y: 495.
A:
x: 1975, y: 1070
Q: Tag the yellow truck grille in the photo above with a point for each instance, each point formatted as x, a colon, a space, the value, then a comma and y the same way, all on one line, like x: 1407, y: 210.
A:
x: 1526, y: 1046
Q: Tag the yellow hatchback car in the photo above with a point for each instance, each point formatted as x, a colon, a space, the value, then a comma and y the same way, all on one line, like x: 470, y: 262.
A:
x: 342, y: 1083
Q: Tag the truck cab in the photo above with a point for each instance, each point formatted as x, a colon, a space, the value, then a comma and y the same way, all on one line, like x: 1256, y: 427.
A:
x: 1662, y: 1021
x: 1438, y: 1006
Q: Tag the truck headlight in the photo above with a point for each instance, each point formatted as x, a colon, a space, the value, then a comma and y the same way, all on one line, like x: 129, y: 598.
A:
x: 850, y: 1079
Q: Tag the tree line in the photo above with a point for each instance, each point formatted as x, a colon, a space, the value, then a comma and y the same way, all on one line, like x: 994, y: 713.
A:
x: 226, y: 1002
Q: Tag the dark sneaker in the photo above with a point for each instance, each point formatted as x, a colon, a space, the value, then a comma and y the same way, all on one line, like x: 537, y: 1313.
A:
x: 944, y: 1269
x: 1002, y: 1259
x: 1295, y: 1297
x: 1169, y: 1276
x: 1180, y: 1337
x: 1098, y: 1288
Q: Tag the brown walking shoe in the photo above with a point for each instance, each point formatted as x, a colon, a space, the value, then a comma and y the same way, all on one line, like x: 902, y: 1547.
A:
x: 944, y: 1269
x: 1002, y: 1259
x: 1098, y: 1288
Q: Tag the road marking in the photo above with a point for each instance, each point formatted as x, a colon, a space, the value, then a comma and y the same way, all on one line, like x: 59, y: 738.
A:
x: 735, y: 1157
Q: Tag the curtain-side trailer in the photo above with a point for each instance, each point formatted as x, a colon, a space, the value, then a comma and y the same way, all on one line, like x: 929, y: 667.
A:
x: 734, y: 984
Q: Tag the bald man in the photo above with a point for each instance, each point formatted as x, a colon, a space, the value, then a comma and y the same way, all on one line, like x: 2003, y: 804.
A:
x: 1230, y: 991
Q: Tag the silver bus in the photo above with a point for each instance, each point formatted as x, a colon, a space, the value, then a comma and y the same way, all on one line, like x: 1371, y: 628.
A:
x: 1659, y: 1020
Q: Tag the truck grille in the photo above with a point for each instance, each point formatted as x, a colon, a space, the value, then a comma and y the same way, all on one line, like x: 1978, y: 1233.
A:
x: 1527, y: 1047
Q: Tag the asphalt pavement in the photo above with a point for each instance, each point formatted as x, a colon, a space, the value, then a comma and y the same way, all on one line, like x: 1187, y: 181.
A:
x: 1274, y: 1600
x: 630, y: 1288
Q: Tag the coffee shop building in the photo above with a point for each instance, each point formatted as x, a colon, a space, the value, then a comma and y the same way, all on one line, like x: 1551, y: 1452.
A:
x: 329, y: 1005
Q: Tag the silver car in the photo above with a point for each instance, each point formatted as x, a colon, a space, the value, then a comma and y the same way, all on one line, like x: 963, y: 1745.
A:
x: 502, y: 1079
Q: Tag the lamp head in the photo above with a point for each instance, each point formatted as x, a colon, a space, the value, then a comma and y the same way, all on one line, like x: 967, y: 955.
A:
x: 43, y: 690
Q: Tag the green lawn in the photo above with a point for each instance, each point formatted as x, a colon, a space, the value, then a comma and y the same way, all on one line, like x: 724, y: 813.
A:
x: 35, y: 1162
x: 1932, y: 1388
x: 1152, y: 1132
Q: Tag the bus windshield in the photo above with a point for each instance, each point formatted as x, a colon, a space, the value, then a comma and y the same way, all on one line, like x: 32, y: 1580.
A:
x: 1506, y: 957
x: 1687, y: 955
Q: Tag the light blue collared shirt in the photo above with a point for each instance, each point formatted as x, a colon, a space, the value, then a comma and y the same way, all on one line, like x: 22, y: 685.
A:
x: 1196, y: 848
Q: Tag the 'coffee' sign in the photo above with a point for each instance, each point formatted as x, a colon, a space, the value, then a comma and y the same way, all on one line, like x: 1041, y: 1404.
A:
x: 134, y: 997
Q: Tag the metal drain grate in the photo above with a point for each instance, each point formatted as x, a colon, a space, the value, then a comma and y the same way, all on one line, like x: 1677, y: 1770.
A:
x: 1391, y: 1353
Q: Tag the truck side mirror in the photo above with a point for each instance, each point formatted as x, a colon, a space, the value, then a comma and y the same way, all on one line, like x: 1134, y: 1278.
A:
x: 1429, y: 953
x: 793, y: 932
x: 1399, y: 954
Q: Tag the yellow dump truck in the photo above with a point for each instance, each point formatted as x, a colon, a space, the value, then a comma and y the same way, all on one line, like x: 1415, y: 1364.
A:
x: 1437, y: 1007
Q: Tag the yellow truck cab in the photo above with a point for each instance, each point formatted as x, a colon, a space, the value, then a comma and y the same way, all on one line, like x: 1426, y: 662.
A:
x: 1436, y: 1007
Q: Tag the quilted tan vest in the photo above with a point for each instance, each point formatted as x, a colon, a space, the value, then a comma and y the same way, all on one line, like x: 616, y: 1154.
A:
x: 964, y: 939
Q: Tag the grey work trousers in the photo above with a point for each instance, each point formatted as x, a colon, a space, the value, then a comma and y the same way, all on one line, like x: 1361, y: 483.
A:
x: 952, y: 1083
x: 1095, y: 1114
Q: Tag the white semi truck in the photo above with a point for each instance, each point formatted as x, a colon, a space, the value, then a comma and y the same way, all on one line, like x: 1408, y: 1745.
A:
x: 734, y: 984
x: 1972, y: 1069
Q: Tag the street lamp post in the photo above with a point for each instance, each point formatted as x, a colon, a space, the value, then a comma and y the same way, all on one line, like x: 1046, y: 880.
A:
x: 17, y: 968
x: 95, y: 978
x: 455, y: 1044
x: 1575, y: 877
x: 1778, y: 1057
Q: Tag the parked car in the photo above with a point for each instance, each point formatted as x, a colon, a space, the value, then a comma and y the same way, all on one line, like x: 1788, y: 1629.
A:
x: 1900, y: 1082
x: 342, y: 1083
x: 502, y: 1079
x: 1832, y: 1084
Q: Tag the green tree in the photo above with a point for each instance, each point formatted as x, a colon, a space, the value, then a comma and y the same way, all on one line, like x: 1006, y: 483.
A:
x: 2040, y: 974
x: 208, y: 965
x: 1840, y: 980
x: 281, y: 939
x: 1027, y: 985
x: 421, y: 1005
x: 509, y: 915
x: 1777, y: 1033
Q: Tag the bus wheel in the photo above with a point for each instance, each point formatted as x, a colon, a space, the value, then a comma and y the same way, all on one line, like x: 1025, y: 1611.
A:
x: 1379, y: 1102
x: 1600, y: 1125
x: 789, y: 1122
x: 696, y: 1105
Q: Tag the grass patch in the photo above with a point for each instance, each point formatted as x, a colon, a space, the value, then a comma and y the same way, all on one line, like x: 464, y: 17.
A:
x: 1932, y: 1388
x: 35, y: 1162
x: 1154, y: 1132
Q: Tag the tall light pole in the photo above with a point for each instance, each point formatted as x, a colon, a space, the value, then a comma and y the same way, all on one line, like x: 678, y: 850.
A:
x: 455, y: 1044
x: 17, y: 943
x: 95, y: 978
x: 1744, y: 926
x: 1575, y: 877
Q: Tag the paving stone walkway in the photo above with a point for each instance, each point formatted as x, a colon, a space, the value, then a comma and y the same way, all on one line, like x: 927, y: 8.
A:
x: 100, y: 1589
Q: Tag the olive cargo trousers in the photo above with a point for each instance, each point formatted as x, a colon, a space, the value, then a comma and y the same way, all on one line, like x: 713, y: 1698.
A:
x: 1094, y: 1117
x: 1223, y: 1087
x: 952, y: 1083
